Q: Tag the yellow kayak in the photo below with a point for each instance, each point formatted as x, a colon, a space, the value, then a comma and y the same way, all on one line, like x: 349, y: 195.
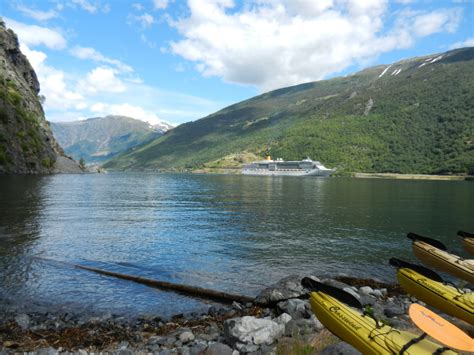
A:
x: 467, y: 241
x: 429, y: 253
x: 434, y: 292
x: 363, y: 332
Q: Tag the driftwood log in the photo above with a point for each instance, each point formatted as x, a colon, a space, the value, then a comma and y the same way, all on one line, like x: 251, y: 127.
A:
x: 184, y: 289
x: 170, y: 286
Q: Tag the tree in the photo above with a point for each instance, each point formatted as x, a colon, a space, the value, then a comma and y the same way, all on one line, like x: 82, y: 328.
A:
x: 82, y: 164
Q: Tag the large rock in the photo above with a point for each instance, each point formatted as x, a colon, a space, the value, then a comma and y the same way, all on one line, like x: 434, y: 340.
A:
x: 341, y: 348
x: 252, y: 330
x: 218, y: 349
x: 296, y: 308
x: 289, y: 287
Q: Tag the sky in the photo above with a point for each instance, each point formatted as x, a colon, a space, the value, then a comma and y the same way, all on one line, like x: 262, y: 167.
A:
x: 178, y: 61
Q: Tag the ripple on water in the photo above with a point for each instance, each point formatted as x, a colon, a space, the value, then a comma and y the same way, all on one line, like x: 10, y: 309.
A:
x: 231, y: 233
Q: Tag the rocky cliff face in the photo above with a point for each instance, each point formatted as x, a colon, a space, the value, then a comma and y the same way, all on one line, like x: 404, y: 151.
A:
x: 26, y: 142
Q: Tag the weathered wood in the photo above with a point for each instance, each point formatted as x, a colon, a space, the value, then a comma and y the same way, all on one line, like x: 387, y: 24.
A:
x: 184, y: 289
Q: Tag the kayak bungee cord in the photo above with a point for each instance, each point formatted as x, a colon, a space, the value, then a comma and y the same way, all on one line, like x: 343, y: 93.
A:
x: 363, y: 330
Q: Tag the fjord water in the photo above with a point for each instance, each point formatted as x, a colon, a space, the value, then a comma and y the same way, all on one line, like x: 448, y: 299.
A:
x: 225, y: 232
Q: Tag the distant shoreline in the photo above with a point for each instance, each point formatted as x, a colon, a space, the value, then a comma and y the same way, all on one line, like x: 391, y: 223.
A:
x: 412, y: 176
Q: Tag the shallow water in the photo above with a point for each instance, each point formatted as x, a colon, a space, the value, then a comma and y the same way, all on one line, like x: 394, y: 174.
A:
x: 231, y: 233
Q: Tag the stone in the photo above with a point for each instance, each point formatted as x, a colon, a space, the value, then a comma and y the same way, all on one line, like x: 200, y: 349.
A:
x: 186, y: 336
x: 125, y: 351
x: 296, y: 308
x: 341, y: 348
x: 305, y: 326
x: 367, y: 300
x: 152, y: 348
x: 178, y: 343
x: 292, y: 329
x: 315, y: 323
x: 47, y: 351
x: 377, y: 293
x: 23, y: 320
x: 197, y: 349
x: 218, y: 349
x: 267, y: 350
x: 154, y: 340
x: 184, y: 351
x: 10, y: 344
x: 283, y: 319
x: 162, y: 340
x: 252, y: 330
x: 393, y: 311
x: 365, y: 291
x: 212, y: 311
x: 246, y: 348
x: 123, y: 345
x: 208, y: 337
x: 237, y: 305
x: 289, y: 287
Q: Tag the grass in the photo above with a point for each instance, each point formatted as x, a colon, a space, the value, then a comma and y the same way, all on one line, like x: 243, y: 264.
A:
x: 298, y: 346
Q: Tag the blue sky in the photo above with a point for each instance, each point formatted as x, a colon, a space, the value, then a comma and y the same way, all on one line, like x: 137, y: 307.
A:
x: 176, y: 61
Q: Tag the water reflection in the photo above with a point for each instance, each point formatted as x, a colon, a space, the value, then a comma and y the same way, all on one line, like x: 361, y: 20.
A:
x: 21, y: 202
x: 233, y: 233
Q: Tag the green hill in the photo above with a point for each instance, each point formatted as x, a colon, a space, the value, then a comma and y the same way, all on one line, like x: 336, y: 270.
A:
x: 414, y: 116
x: 101, y: 138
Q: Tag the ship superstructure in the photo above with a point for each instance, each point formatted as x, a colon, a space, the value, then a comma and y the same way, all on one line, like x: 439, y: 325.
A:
x: 280, y: 167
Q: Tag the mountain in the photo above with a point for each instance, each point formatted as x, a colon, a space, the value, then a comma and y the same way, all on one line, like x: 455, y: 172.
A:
x: 26, y: 142
x: 101, y: 138
x: 413, y: 116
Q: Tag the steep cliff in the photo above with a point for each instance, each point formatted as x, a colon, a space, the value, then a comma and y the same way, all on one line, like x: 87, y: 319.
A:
x: 26, y: 143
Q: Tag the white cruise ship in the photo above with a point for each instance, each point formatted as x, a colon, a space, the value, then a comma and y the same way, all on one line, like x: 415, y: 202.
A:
x: 280, y: 167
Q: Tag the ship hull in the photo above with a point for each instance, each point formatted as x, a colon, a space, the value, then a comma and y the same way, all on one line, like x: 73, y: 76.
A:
x: 263, y: 172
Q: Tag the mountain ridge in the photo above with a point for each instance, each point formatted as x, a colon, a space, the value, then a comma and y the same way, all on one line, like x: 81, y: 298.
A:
x: 98, y: 139
x: 412, y: 116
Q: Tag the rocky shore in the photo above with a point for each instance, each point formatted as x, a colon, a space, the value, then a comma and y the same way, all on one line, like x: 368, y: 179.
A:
x: 280, y: 321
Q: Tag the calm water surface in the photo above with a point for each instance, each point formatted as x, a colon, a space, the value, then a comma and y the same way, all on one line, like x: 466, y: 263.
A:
x: 231, y: 233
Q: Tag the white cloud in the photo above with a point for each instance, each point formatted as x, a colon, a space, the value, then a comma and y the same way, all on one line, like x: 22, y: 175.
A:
x: 33, y: 35
x: 444, y: 20
x: 145, y: 40
x: 38, y: 14
x: 144, y: 20
x: 276, y: 43
x: 137, y: 6
x: 467, y: 43
x: 102, y: 79
x: 93, y: 54
x: 405, y: 2
x: 160, y: 4
x: 126, y: 109
x: 53, y: 82
x: 86, y: 5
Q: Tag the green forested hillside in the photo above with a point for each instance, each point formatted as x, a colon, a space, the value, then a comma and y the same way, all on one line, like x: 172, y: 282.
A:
x: 414, y: 116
